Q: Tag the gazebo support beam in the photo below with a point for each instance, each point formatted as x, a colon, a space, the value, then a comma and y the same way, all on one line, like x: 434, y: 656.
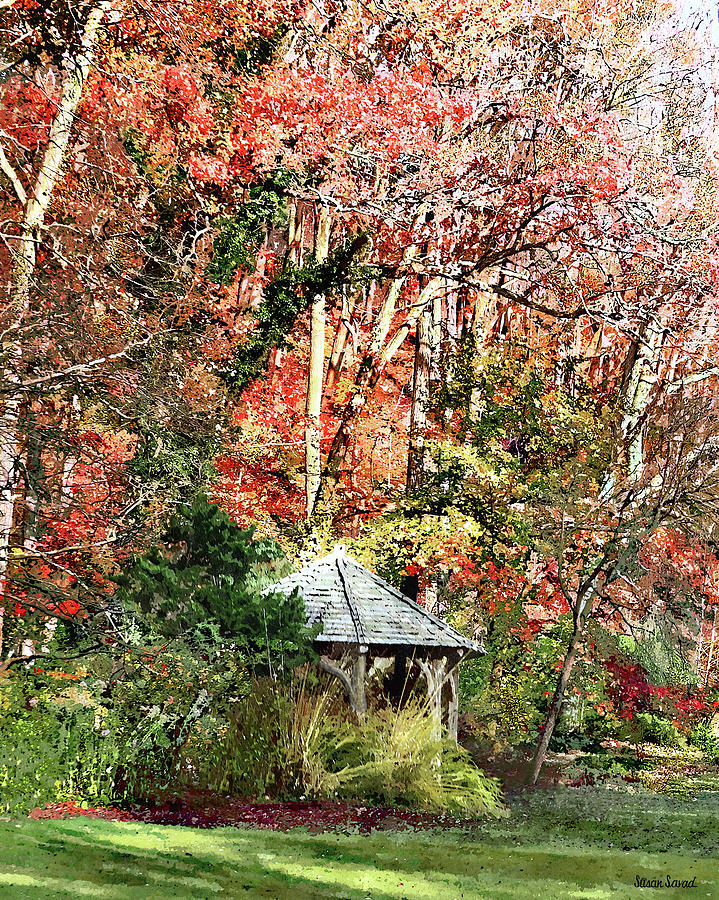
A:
x: 453, y: 708
x: 353, y: 682
x: 358, y: 700
x: 435, y: 672
x: 328, y: 666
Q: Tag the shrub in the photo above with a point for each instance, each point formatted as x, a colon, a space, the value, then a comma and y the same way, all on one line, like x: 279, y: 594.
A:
x: 54, y: 748
x: 392, y: 756
x: 95, y: 741
x: 507, y: 711
x: 208, y: 570
x: 611, y: 765
x: 97, y: 744
x: 705, y: 739
x: 563, y: 741
x: 655, y: 730
x: 268, y: 747
x: 297, y: 742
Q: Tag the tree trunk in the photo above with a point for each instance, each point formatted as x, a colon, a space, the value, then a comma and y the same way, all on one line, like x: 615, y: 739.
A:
x: 453, y: 708
x: 637, y: 392
x: 370, y: 371
x: 295, y: 233
x: 710, y: 656
x: 337, y: 357
x: 420, y: 398
x: 383, y: 322
x: 313, y: 449
x: 372, y: 364
x: 483, y: 313
x: 700, y: 640
x: 583, y: 611
x: 556, y: 704
x: 23, y: 270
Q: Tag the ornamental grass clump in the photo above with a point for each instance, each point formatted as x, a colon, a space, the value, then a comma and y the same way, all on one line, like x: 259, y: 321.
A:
x: 275, y: 745
x: 310, y: 740
x: 394, y: 756
x: 299, y: 741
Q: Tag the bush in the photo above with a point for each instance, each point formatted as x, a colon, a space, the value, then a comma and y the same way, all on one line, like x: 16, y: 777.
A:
x: 297, y: 742
x: 148, y: 737
x: 566, y: 741
x: 654, y: 730
x: 507, y: 712
x: 271, y: 746
x: 392, y: 756
x: 705, y: 739
x: 208, y: 570
x: 611, y: 764
x: 97, y: 741
x: 54, y: 749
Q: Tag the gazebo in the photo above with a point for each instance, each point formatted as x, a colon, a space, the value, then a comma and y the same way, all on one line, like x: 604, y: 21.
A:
x: 364, y: 618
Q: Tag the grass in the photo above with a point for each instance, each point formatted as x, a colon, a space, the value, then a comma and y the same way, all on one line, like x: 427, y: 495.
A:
x: 557, y: 845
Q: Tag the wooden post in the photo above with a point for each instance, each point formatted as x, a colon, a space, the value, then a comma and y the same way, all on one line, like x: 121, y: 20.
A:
x: 434, y: 672
x: 438, y: 665
x: 453, y: 709
x: 354, y: 682
x: 358, y: 700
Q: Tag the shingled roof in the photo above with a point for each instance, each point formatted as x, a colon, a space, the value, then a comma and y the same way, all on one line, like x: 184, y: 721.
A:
x: 355, y: 606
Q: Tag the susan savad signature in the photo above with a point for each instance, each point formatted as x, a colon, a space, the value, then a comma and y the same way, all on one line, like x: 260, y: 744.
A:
x: 665, y: 881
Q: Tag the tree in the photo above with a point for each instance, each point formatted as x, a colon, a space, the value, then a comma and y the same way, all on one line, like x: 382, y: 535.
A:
x: 210, y: 572
x: 603, y: 550
x: 315, y: 378
x: 504, y: 218
x: 104, y: 325
x: 35, y: 204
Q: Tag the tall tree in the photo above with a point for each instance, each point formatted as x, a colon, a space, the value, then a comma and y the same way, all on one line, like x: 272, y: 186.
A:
x: 316, y: 368
x: 35, y: 204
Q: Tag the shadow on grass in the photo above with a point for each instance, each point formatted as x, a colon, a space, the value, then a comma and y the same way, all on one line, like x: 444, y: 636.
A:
x: 114, y: 861
x: 74, y: 858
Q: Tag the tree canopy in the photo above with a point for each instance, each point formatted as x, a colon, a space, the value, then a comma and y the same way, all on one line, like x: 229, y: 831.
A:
x: 438, y: 280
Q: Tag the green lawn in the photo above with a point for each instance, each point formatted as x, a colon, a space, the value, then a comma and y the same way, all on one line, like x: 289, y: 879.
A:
x: 564, y: 844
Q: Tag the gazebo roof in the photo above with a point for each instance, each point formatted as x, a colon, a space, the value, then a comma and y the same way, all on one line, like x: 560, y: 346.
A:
x: 355, y: 606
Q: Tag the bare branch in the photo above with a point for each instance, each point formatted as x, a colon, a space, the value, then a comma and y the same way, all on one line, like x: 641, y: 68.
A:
x: 680, y: 383
x: 10, y: 173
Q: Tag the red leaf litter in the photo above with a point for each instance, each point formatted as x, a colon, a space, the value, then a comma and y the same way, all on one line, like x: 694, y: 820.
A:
x: 222, y: 811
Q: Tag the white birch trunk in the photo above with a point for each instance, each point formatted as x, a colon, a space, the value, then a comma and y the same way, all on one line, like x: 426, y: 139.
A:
x: 369, y: 373
x: 313, y: 448
x: 710, y: 655
x: 420, y: 396
x: 637, y: 395
x: 23, y: 269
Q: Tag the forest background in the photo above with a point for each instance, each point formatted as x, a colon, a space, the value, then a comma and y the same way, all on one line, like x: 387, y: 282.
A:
x: 435, y: 280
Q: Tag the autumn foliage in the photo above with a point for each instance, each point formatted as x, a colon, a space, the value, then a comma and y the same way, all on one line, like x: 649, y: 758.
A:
x: 486, y: 228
